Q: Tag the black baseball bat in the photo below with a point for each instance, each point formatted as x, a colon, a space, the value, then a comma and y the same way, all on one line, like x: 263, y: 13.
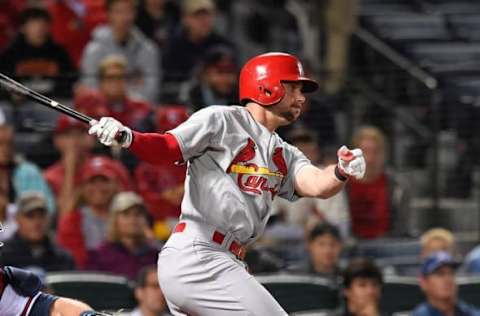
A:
x: 11, y: 85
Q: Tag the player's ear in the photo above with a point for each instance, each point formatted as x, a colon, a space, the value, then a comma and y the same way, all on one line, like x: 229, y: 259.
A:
x: 138, y: 294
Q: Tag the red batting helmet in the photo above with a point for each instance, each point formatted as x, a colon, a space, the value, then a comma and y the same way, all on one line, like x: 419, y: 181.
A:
x: 261, y: 77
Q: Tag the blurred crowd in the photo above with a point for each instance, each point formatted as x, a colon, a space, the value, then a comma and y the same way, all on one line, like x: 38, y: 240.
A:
x: 150, y: 64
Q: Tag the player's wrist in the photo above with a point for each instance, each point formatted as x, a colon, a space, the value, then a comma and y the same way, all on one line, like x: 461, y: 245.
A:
x: 128, y: 138
x: 340, y: 174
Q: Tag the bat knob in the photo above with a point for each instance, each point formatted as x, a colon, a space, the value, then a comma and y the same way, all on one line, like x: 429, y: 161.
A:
x: 121, y: 137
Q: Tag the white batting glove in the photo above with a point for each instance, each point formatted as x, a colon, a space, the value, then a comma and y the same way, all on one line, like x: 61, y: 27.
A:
x: 107, y: 130
x: 351, y: 162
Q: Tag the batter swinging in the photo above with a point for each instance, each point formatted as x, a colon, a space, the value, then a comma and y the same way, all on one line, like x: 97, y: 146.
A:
x: 237, y: 165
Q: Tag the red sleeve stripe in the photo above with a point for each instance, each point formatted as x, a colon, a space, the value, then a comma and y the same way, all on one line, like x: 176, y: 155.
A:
x: 2, y: 282
x: 29, y: 305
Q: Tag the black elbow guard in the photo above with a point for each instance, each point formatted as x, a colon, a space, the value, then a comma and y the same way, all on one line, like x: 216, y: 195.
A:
x: 24, y: 282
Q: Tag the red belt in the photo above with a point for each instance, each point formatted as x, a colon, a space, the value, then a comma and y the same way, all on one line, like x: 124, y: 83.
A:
x: 236, y: 248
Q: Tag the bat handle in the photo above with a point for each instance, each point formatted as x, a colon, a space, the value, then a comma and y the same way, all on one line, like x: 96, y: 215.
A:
x: 121, y: 137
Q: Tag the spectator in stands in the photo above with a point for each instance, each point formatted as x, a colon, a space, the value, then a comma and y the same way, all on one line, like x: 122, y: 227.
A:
x: 362, y: 286
x: 437, y: 281
x: 380, y: 202
x: 31, y: 247
x: 121, y: 37
x: 151, y: 301
x: 216, y: 82
x: 73, y: 143
x: 113, y: 88
x: 75, y: 148
x: 437, y: 239
x: 72, y: 23
x: 324, y: 246
x: 157, y: 19
x: 186, y: 48
x: 9, y: 18
x: 83, y: 226
x: 8, y: 224
x: 128, y: 247
x: 307, y: 212
x: 35, y: 59
x: 17, y: 175
x: 161, y: 186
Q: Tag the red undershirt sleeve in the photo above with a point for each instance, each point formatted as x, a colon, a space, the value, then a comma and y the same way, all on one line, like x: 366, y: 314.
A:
x: 156, y: 148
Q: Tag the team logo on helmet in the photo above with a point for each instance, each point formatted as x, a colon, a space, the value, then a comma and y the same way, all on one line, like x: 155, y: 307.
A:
x: 261, y: 72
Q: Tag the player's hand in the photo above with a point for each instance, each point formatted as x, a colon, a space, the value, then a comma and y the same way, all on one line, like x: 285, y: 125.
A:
x: 108, y: 130
x: 351, y: 162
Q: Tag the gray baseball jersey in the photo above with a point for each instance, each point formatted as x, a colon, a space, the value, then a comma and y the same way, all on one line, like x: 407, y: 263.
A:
x: 236, y: 167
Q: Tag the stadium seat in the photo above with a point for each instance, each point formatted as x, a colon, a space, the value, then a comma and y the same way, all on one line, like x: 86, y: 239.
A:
x: 463, y: 85
x: 453, y: 7
x: 469, y: 289
x: 400, y: 294
x: 400, y: 265
x: 302, y: 293
x: 447, y: 214
x: 466, y: 26
x: 388, y: 248
x: 101, y: 291
x: 379, y: 8
x: 410, y: 27
x: 452, y: 57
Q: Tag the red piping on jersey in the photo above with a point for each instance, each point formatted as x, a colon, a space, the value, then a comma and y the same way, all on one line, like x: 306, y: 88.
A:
x: 156, y: 148
x: 2, y: 283
x: 27, y: 306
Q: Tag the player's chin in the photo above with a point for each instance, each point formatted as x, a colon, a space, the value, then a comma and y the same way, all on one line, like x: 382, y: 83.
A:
x: 289, y: 119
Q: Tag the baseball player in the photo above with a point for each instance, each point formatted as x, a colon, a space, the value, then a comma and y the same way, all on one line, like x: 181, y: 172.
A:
x: 236, y: 166
x: 21, y: 295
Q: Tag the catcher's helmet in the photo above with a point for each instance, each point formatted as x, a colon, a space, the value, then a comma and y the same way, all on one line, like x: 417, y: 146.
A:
x: 261, y: 77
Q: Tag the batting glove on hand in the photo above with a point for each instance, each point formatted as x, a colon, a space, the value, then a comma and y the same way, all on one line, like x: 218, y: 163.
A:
x: 108, y: 130
x: 351, y: 162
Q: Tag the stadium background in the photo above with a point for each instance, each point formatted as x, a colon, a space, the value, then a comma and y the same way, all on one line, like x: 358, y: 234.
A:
x: 409, y: 68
